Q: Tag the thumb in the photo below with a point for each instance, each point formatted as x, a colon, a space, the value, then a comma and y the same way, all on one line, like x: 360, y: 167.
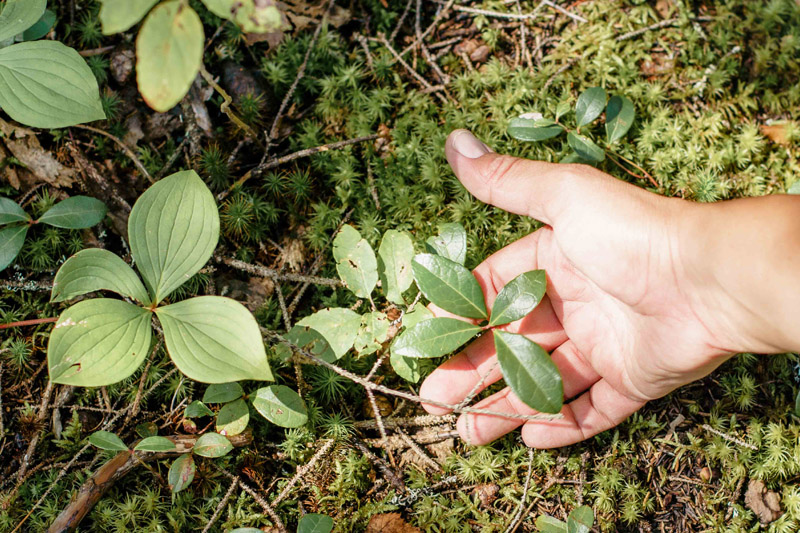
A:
x: 521, y: 186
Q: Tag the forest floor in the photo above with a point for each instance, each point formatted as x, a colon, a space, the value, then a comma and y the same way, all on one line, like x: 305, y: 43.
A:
x: 716, y: 86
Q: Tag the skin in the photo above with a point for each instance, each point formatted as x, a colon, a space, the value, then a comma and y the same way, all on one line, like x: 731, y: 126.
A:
x: 645, y: 293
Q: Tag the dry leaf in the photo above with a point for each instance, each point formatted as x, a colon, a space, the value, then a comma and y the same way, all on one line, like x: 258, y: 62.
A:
x: 486, y: 493
x: 8, y: 173
x: 23, y: 144
x: 390, y: 523
x: 480, y: 54
x: 122, y: 64
x: 766, y: 504
x: 777, y: 131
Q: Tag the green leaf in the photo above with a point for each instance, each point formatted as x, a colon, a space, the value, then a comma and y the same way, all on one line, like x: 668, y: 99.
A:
x: 169, y: 54
x: 373, y: 332
x: 41, y: 28
x: 119, y: 15
x: 181, y: 473
x: 98, y: 342
x: 572, y: 157
x: 147, y: 429
x: 155, y: 444
x: 525, y: 129
x: 105, y: 440
x: 214, y: 340
x: 75, y: 212
x: 232, y: 419
x: 173, y: 230
x: 529, y: 371
x: 590, y: 104
x: 394, y: 264
x: 580, y: 520
x: 548, y: 524
x: 449, y: 285
x: 407, y: 368
x: 585, y: 148
x: 562, y: 109
x: 212, y: 445
x: 519, y: 297
x: 619, y: 118
x: 795, y: 188
x: 11, y: 240
x: 315, y: 523
x: 198, y: 409
x: 253, y: 16
x: 281, y: 405
x: 450, y: 243
x: 223, y: 393
x: 46, y: 84
x: 434, y: 337
x: 10, y: 211
x: 355, y: 261
x: 416, y: 316
x: 312, y: 341
x: 18, y: 16
x: 338, y: 325
x: 95, y: 269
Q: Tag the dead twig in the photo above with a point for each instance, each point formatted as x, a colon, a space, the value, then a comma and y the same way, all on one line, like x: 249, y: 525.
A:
x: 41, y: 417
x: 274, y: 275
x: 268, y: 509
x: 302, y: 471
x: 222, y: 503
x: 128, y: 152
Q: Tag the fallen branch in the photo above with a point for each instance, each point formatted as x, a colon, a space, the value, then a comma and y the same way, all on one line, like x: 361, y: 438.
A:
x: 264, y: 272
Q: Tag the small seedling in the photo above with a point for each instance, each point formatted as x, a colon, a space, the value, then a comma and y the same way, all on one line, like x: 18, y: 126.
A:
x: 76, y: 212
x: 580, y: 520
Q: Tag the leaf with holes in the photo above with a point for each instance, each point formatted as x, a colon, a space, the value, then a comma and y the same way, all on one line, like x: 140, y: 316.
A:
x: 19, y: 15
x: 119, y: 15
x: 619, y: 118
x: 451, y: 242
x: 355, y: 261
x: 434, y: 337
x: 373, y: 332
x: 212, y: 445
x: 312, y: 341
x: 416, y: 316
x: 10, y: 212
x: 525, y: 129
x: 232, y: 419
x: 181, y: 473
x: 529, y: 371
x: 98, y: 342
x: 589, y: 106
x: 11, y: 240
x: 394, y: 264
x: 338, y: 325
x: 223, y: 393
x: 585, y: 148
x: 281, y: 405
x: 96, y: 269
x: 105, y: 440
x: 519, y: 297
x: 315, y: 523
x: 449, y: 285
x: 214, y: 340
x: 75, y: 212
x: 155, y: 444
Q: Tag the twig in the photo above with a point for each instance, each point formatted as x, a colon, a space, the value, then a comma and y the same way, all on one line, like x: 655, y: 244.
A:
x: 128, y: 151
x: 443, y: 78
x: 23, y: 467
x: 729, y: 438
x: 97, y: 51
x: 414, y: 421
x: 273, y: 274
x: 134, y: 410
x: 302, y: 471
x: 287, y: 321
x: 563, y: 11
x: 377, y: 414
x: 268, y: 509
x: 401, y: 20
x: 563, y: 68
x: 551, y: 480
x: 173, y: 157
x: 430, y: 28
x: 226, y: 103
x: 518, y: 514
x: 29, y: 285
x: 419, y: 451
x: 221, y: 506
x: 365, y: 46
x: 656, y: 26
x: 394, y: 479
x: 416, y: 75
x: 32, y: 322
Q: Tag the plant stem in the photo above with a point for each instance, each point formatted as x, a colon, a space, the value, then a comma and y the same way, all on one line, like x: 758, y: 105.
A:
x: 32, y: 322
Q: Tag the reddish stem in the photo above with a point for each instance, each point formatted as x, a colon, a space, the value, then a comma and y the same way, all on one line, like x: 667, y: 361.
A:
x: 28, y: 322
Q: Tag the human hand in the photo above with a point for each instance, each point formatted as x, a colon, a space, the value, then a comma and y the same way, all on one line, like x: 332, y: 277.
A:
x: 627, y: 316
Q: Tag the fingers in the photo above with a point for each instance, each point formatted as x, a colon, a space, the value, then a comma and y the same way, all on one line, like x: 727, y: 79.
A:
x: 521, y: 186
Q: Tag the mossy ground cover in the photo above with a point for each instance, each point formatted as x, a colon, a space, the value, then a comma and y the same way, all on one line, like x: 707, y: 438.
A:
x: 717, y: 93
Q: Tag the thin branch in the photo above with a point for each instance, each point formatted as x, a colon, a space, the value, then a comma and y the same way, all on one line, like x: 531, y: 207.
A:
x: 302, y: 471
x: 222, y: 503
x: 33, y: 322
x: 518, y: 514
x: 268, y: 509
x: 226, y: 103
x: 400, y: 21
x: 729, y: 438
x: 48, y: 393
x: 657, y: 26
x: 264, y: 272
x: 128, y: 152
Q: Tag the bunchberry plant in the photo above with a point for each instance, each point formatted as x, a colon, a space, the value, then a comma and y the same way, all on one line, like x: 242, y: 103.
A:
x: 44, y: 84
x: 580, y: 520
x: 76, y: 212
x: 619, y: 118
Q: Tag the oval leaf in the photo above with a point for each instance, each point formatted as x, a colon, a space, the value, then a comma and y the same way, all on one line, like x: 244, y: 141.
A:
x: 312, y: 341
x: 281, y: 405
x: 529, y: 371
x: 394, y: 264
x: 10, y: 211
x: 232, y: 419
x: 253, y: 16
x: 11, y: 240
x: 155, y: 444
x: 46, y: 84
x: 580, y: 520
x: 197, y: 409
x: 75, y: 212
x: 449, y: 285
x: 339, y: 326
x: 169, y: 53
x: 619, y: 118
x: 355, y: 261
x: 212, y: 445
x: 95, y: 269
x: 590, y: 104
x: 18, y: 16
x: 120, y: 15
x: 98, y: 342
x: 434, y: 337
x: 405, y: 367
x: 315, y: 523
x: 223, y: 393
x: 41, y: 28
x: 105, y: 440
x: 519, y: 297
x: 181, y: 473
x: 525, y: 129
x: 416, y: 316
x: 173, y: 230
x: 450, y: 243
x: 549, y: 524
x: 214, y: 340
x: 585, y: 148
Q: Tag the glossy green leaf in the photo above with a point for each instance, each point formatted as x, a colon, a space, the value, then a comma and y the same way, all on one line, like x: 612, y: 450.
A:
x: 580, y: 520
x: 525, y: 129
x: 75, y: 212
x: 416, y: 316
x: 451, y: 242
x: 373, y: 332
x: 19, y: 15
x: 95, y: 269
x: 46, y: 84
x: 562, y: 109
x: 155, y: 444
x: 585, y: 147
x: 214, y: 340
x: 212, y: 445
x: 590, y: 104
x: 119, y: 15
x: 105, y: 440
x: 549, y: 524
x: 41, y: 28
x: 338, y: 325
x: 619, y: 118
x: 169, y: 54
x: 394, y: 264
x: 147, y: 429
x: 519, y: 297
x: 449, y: 285
x: 529, y: 371
x: 223, y: 392
x: 173, y: 230
x: 281, y: 405
x: 181, y: 473
x: 10, y: 212
x: 197, y: 409
x: 98, y: 342
x: 434, y: 337
x: 407, y: 368
x: 232, y: 419
x: 572, y: 157
x: 11, y: 240
x: 795, y: 187
x: 315, y: 523
x: 355, y: 261
x: 312, y: 341
x: 253, y: 16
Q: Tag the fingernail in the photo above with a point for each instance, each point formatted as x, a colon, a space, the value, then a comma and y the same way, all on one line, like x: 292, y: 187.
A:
x: 469, y: 146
